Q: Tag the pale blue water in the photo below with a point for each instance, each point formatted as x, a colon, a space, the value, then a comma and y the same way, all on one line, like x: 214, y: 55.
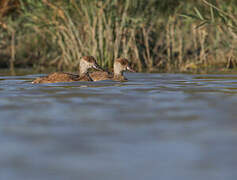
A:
x: 155, y: 126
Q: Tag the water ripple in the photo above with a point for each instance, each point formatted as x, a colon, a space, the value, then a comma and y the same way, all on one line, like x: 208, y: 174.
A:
x: 161, y: 126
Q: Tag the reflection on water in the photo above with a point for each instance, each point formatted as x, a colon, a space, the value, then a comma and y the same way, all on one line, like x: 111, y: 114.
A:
x: 155, y: 126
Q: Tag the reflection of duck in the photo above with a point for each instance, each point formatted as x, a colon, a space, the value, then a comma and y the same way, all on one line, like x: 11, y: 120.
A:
x: 120, y: 65
x: 86, y: 63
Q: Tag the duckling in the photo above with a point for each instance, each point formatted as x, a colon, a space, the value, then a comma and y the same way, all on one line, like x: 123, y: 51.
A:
x: 120, y: 65
x: 86, y: 62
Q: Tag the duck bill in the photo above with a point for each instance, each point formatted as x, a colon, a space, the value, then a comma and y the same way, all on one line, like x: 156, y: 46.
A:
x: 97, y: 67
x: 130, y: 69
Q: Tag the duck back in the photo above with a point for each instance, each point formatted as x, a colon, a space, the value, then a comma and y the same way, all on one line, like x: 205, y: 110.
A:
x: 101, y: 75
x: 61, y: 77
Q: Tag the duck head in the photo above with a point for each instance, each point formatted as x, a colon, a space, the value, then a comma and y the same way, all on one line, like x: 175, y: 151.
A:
x: 121, y: 65
x: 88, y: 62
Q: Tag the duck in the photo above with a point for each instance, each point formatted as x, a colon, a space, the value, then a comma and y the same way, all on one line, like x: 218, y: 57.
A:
x: 120, y: 65
x: 86, y: 63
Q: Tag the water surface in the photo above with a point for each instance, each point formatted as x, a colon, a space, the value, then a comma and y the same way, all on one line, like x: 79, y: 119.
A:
x: 155, y: 126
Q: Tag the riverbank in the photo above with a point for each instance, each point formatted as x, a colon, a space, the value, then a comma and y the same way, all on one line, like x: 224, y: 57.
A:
x: 32, y: 71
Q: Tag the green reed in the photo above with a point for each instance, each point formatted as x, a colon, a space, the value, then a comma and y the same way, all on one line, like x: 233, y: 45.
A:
x: 155, y: 35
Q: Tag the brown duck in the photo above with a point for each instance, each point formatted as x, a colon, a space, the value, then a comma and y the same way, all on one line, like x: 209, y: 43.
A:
x: 86, y: 63
x: 120, y: 65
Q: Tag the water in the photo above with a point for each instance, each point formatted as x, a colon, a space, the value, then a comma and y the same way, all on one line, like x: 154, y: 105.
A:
x: 155, y: 126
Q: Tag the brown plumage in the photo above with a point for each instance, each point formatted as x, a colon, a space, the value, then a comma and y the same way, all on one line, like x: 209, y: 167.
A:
x: 86, y: 63
x: 62, y: 77
x: 120, y: 65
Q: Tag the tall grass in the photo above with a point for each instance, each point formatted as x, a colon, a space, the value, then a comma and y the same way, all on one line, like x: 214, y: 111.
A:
x: 153, y: 34
x: 224, y: 19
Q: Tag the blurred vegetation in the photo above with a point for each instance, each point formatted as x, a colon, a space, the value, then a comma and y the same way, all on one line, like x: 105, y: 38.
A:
x: 156, y: 35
